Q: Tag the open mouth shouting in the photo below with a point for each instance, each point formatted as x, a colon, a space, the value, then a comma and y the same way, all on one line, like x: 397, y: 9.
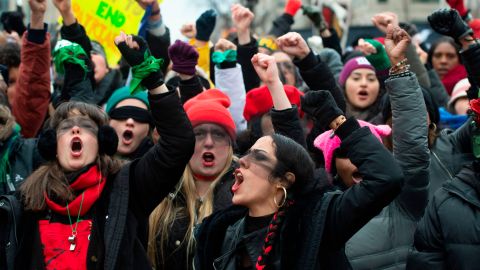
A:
x: 127, y: 137
x: 363, y: 94
x: 208, y: 159
x: 76, y: 147
x: 238, y: 180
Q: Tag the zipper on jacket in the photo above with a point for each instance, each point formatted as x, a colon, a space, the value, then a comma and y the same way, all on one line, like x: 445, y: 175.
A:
x: 222, y: 257
x: 442, y: 165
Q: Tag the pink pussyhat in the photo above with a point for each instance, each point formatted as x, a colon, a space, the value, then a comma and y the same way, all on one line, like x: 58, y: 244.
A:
x: 329, y: 144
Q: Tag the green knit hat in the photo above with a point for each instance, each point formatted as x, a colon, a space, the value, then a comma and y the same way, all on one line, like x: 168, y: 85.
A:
x: 124, y: 93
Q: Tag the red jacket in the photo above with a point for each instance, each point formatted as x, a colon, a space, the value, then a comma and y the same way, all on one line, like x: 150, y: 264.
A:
x: 32, y: 96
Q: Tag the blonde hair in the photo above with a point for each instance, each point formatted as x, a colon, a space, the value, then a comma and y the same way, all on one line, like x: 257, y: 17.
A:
x: 162, y: 218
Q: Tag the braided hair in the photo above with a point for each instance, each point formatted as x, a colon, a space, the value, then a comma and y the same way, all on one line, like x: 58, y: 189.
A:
x: 293, y: 158
x: 273, y: 230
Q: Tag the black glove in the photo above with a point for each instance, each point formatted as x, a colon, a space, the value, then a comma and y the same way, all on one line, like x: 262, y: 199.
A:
x: 13, y: 21
x: 315, y: 15
x: 321, y: 106
x: 77, y: 85
x: 471, y: 61
x: 73, y: 75
x: 205, y: 25
x: 135, y: 57
x: 448, y: 22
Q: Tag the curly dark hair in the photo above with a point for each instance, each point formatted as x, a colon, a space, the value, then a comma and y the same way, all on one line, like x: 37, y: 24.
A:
x: 10, y: 54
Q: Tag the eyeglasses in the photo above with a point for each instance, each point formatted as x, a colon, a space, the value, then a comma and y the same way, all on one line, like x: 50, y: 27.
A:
x: 260, y: 158
x: 286, y: 65
x: 218, y: 136
x: 80, y: 121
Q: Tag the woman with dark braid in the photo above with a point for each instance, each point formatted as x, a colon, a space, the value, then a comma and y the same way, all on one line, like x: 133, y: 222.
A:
x: 281, y: 216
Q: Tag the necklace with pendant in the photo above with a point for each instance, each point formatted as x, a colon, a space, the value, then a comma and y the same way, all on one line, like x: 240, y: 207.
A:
x: 72, y: 239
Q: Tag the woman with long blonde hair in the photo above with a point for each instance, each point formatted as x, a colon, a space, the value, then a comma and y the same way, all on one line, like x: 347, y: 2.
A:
x: 204, y: 187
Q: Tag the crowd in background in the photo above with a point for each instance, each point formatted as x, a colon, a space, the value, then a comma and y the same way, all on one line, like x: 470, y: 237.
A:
x: 253, y: 151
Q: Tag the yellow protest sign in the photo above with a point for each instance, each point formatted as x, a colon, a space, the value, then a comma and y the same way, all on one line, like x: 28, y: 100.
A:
x: 103, y: 20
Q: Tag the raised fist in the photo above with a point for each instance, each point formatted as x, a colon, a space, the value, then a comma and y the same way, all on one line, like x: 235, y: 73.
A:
x: 242, y: 17
x: 266, y: 67
x: 38, y: 6
x: 396, y: 43
x: 321, y: 106
x: 294, y: 45
x: 188, y: 30
x: 383, y: 19
x: 448, y: 22
x: 224, y: 45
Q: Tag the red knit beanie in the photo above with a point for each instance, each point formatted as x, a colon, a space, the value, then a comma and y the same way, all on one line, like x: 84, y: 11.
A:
x: 211, y: 106
x: 259, y: 101
x: 475, y: 25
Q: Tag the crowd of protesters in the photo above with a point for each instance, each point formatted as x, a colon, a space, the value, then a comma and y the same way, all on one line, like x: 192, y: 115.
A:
x: 256, y: 151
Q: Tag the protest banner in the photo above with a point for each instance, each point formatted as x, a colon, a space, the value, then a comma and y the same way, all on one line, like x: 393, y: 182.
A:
x: 104, y: 19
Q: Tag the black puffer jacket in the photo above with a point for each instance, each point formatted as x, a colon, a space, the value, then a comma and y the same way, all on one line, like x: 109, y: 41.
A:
x: 23, y: 158
x: 317, y: 227
x: 128, y: 198
x: 448, y: 236
x: 450, y: 151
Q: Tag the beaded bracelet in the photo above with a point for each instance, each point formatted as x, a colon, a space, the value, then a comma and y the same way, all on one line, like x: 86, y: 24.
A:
x: 400, y: 75
x: 400, y: 67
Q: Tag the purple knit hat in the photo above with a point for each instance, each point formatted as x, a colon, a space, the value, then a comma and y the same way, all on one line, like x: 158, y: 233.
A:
x: 329, y: 144
x: 351, y: 65
x: 184, y: 57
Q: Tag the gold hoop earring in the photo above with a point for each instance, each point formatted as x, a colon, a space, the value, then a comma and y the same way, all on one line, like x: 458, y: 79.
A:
x: 284, y: 198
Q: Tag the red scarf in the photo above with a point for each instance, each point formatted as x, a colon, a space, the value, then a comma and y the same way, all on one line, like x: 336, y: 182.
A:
x: 92, y: 183
x: 55, y: 236
x: 204, y: 178
x: 453, y: 76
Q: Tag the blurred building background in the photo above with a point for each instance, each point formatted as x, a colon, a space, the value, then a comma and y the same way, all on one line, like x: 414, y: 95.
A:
x: 355, y: 14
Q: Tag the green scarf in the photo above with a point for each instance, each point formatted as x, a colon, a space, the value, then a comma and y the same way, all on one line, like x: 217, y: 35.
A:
x: 69, y: 52
x: 149, y: 65
x: 226, y: 56
x: 5, y: 156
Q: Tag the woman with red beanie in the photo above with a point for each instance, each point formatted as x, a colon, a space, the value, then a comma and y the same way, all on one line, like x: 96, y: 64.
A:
x: 205, y: 183
x: 282, y: 218
x: 208, y: 178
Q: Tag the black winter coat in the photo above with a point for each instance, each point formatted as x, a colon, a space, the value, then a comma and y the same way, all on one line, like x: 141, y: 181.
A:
x: 23, y: 158
x: 449, y: 153
x: 317, y: 227
x: 176, y: 249
x: 285, y: 122
x: 448, y: 236
x: 128, y: 198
